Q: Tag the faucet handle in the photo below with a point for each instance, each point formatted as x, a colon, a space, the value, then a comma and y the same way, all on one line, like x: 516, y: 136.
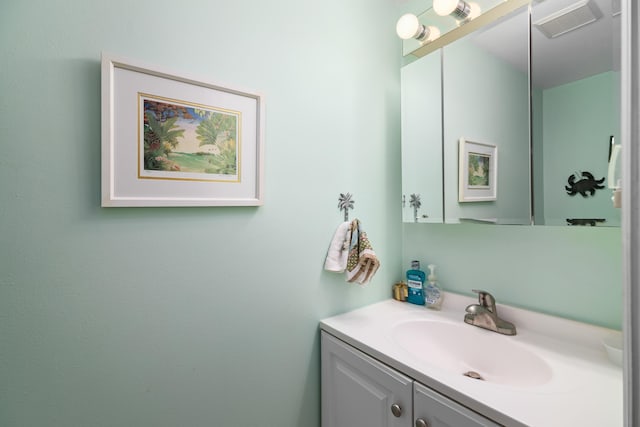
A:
x: 486, y: 300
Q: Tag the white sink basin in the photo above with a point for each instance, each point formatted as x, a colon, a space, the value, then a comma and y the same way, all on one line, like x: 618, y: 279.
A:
x: 461, y: 348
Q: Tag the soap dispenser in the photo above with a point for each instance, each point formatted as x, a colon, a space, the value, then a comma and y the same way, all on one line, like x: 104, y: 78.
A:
x: 433, y: 295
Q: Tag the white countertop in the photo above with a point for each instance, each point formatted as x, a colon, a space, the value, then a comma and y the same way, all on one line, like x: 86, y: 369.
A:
x: 585, y: 389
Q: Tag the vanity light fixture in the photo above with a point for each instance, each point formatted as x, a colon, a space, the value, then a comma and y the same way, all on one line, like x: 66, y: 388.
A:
x: 408, y: 27
x: 459, y: 9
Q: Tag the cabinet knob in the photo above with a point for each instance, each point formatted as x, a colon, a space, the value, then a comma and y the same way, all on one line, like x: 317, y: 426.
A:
x: 421, y: 423
x: 396, y: 410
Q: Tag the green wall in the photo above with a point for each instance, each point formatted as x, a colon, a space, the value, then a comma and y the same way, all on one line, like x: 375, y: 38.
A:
x: 577, y: 120
x: 572, y: 272
x: 208, y: 316
x: 187, y: 316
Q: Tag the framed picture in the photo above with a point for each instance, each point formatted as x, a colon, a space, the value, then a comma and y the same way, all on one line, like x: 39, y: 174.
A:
x: 478, y: 171
x: 178, y: 140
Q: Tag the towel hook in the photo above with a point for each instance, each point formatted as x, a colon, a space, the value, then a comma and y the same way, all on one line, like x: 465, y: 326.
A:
x: 415, y: 203
x: 345, y: 202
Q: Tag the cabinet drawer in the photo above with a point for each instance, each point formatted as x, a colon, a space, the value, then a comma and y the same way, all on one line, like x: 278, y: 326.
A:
x: 438, y: 411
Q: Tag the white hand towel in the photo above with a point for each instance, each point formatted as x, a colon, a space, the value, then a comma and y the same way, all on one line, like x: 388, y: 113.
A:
x: 339, y: 249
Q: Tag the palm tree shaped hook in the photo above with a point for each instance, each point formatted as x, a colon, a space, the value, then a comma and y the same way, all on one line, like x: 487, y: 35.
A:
x: 415, y: 203
x: 345, y: 202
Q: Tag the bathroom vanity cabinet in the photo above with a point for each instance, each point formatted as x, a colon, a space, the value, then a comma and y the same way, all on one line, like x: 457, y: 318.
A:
x: 401, y: 365
x: 358, y: 390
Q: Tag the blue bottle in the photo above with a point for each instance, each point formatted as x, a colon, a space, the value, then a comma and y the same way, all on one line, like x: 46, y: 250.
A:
x: 415, y: 284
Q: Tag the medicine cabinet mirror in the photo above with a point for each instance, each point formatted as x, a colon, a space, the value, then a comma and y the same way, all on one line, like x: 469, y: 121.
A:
x: 543, y: 95
x: 575, y: 51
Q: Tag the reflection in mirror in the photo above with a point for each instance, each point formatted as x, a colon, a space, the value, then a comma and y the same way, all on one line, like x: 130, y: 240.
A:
x: 486, y: 100
x: 421, y: 122
x: 575, y: 118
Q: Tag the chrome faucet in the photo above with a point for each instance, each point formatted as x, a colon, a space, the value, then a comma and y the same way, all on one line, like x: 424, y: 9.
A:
x: 484, y: 315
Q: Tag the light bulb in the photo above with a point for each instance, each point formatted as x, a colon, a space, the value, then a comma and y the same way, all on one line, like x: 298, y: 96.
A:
x: 444, y: 7
x: 475, y: 10
x: 434, y: 33
x: 407, y: 26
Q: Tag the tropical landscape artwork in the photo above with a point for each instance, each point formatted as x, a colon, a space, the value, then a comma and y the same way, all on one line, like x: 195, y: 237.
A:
x: 171, y: 140
x: 478, y: 175
x: 179, y: 140
x: 478, y: 171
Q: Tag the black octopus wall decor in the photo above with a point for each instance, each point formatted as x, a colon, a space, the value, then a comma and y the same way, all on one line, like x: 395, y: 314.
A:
x: 588, y: 184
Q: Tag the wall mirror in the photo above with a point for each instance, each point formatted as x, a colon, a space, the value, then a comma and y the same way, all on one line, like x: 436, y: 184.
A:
x: 421, y: 122
x: 543, y: 96
x: 486, y: 140
x: 575, y: 63
x: 465, y: 128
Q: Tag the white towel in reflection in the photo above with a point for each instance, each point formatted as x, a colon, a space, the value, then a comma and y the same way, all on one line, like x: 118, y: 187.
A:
x: 339, y: 249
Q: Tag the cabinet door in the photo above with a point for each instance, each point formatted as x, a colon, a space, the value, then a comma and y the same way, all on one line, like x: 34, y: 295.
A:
x: 436, y: 410
x: 421, y: 119
x: 359, y: 391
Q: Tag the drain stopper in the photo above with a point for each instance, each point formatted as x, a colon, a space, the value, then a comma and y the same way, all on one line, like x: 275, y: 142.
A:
x: 474, y: 375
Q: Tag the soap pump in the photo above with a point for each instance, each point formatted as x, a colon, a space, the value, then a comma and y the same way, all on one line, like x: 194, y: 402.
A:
x: 433, y: 295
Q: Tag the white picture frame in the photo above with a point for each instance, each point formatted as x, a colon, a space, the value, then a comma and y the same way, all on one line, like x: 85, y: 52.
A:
x: 170, y: 139
x: 478, y: 171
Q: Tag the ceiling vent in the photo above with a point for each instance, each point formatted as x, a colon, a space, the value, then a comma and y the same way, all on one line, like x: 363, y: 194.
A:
x: 570, y: 18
